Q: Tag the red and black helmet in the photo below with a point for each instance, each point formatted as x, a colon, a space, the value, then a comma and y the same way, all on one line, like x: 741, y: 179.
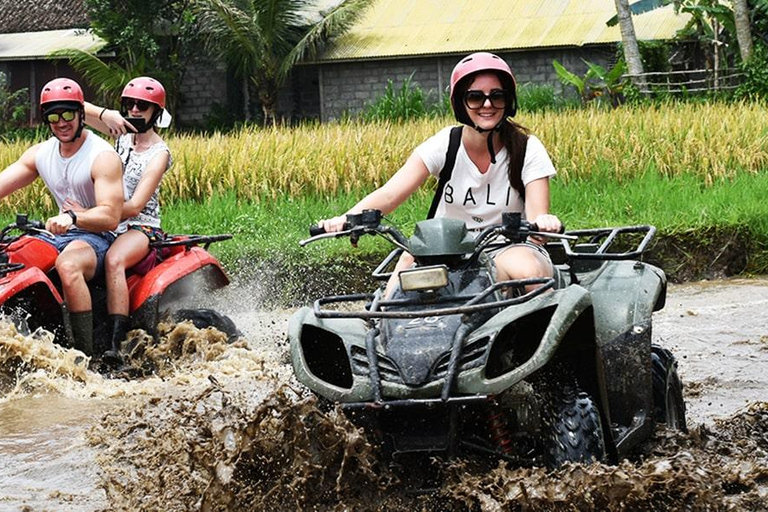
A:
x: 61, y: 93
x: 147, y: 89
x: 471, y: 65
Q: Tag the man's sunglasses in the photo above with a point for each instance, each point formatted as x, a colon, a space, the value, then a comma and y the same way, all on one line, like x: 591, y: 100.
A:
x: 475, y: 100
x: 141, y: 105
x: 53, y: 117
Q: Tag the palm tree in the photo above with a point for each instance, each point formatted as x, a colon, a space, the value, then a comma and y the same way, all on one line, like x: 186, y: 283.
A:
x: 629, y: 42
x: 743, y: 30
x: 262, y: 40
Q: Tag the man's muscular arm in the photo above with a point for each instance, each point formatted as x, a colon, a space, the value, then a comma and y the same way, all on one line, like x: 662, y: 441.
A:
x: 107, y: 174
x: 20, y: 173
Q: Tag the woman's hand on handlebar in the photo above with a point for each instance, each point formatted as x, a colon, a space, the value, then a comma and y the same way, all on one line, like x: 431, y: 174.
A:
x: 334, y: 224
x: 548, y: 223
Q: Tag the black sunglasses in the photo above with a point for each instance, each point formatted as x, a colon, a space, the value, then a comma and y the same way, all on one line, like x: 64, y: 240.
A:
x: 475, y: 100
x: 53, y: 117
x: 129, y: 103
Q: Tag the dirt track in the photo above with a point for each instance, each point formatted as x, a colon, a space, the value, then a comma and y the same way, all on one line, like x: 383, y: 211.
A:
x: 719, y: 333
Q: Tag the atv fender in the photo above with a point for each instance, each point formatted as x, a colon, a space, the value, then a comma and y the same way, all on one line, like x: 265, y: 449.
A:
x: 320, y: 356
x: 29, y: 292
x: 179, y: 277
x: 625, y: 296
x: 32, y: 252
x: 569, y: 305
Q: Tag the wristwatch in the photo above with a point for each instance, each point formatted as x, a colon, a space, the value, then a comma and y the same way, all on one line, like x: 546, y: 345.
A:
x: 71, y: 214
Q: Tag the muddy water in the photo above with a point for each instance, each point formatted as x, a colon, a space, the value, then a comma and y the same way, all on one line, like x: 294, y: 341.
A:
x: 203, y: 425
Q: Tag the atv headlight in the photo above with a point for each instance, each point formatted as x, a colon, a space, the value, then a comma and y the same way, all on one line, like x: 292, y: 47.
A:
x: 424, y: 278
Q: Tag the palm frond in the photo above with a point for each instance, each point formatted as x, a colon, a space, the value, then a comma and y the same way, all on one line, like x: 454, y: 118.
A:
x: 640, y: 7
x: 106, y: 78
x: 230, y: 34
x: 332, y: 23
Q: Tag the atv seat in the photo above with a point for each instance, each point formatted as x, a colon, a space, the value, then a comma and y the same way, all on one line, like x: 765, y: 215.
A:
x: 151, y: 260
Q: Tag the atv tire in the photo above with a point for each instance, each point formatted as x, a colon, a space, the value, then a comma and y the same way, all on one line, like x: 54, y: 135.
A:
x: 668, y: 403
x: 202, y: 318
x: 573, y: 432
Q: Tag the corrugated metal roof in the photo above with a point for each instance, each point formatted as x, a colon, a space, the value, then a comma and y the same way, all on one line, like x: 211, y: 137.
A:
x: 37, y: 45
x: 394, y: 28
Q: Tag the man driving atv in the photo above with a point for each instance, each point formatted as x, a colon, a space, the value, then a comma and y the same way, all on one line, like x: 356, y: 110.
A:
x: 75, y: 165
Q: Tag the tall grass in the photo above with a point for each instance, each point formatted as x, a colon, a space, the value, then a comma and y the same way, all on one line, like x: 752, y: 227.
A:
x: 713, y: 143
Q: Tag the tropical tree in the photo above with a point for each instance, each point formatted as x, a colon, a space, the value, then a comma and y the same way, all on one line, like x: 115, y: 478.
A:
x: 743, y: 30
x: 629, y: 44
x: 155, y: 38
x: 262, y: 40
x: 738, y: 22
x: 596, y: 83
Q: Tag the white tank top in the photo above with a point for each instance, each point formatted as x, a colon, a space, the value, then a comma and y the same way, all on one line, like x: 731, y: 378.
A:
x: 70, y: 177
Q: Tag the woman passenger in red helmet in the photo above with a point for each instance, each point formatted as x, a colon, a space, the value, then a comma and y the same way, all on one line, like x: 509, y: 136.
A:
x: 145, y: 158
x: 499, y: 167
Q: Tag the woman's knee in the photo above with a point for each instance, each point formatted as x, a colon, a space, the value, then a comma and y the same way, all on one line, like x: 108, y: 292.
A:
x: 522, y: 263
x: 114, y: 262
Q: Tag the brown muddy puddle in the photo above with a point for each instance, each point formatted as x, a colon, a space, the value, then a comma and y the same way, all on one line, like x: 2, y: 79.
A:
x: 224, y: 427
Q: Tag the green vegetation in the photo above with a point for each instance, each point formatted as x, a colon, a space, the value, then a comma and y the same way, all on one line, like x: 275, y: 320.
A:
x: 696, y: 171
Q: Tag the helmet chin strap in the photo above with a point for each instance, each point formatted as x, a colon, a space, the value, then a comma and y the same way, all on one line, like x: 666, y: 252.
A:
x: 496, y: 128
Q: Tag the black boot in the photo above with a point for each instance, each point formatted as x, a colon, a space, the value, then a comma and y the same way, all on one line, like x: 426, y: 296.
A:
x: 82, y: 331
x: 120, y: 325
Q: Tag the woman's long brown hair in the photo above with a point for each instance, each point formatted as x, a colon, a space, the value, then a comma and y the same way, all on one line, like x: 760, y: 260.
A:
x: 515, y: 139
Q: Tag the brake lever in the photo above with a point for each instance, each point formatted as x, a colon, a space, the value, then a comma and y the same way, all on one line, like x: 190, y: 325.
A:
x: 549, y: 234
x: 315, y: 238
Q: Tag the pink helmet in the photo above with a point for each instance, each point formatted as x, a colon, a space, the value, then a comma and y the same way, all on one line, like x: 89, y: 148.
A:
x: 61, y: 93
x: 147, y: 89
x: 471, y: 65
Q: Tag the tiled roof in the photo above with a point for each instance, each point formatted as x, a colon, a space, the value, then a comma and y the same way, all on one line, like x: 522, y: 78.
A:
x: 37, y: 15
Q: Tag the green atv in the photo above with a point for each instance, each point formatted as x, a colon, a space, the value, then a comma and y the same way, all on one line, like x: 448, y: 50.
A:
x: 536, y: 371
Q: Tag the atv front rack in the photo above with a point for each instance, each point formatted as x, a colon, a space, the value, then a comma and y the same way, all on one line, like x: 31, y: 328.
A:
x: 472, y: 303
x: 606, y: 237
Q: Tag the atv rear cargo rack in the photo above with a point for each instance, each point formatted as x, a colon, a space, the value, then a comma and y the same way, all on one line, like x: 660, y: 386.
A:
x: 190, y: 240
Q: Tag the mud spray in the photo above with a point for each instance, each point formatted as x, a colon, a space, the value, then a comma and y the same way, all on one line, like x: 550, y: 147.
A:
x: 196, y: 423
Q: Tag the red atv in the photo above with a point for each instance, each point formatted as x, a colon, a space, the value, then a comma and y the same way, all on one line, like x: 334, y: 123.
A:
x: 177, y: 270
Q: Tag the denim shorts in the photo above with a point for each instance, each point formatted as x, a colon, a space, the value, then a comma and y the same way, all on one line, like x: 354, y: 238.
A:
x: 100, y: 243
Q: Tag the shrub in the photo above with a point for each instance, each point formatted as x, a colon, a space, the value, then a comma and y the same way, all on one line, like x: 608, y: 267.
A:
x: 538, y: 98
x: 407, y: 102
x: 14, y: 106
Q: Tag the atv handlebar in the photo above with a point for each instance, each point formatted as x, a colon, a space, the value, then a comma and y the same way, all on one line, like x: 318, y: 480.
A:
x: 25, y: 225
x: 512, y: 227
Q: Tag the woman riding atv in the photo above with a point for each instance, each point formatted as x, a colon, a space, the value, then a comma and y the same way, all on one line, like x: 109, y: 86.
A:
x: 494, y: 167
x: 146, y: 158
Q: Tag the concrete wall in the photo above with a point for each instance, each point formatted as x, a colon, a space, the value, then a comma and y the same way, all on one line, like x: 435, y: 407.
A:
x: 329, y: 90
x: 204, y: 84
x: 350, y: 86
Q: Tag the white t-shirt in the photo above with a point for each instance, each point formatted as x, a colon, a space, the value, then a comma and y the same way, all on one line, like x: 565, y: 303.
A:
x: 70, y: 178
x: 478, y: 198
